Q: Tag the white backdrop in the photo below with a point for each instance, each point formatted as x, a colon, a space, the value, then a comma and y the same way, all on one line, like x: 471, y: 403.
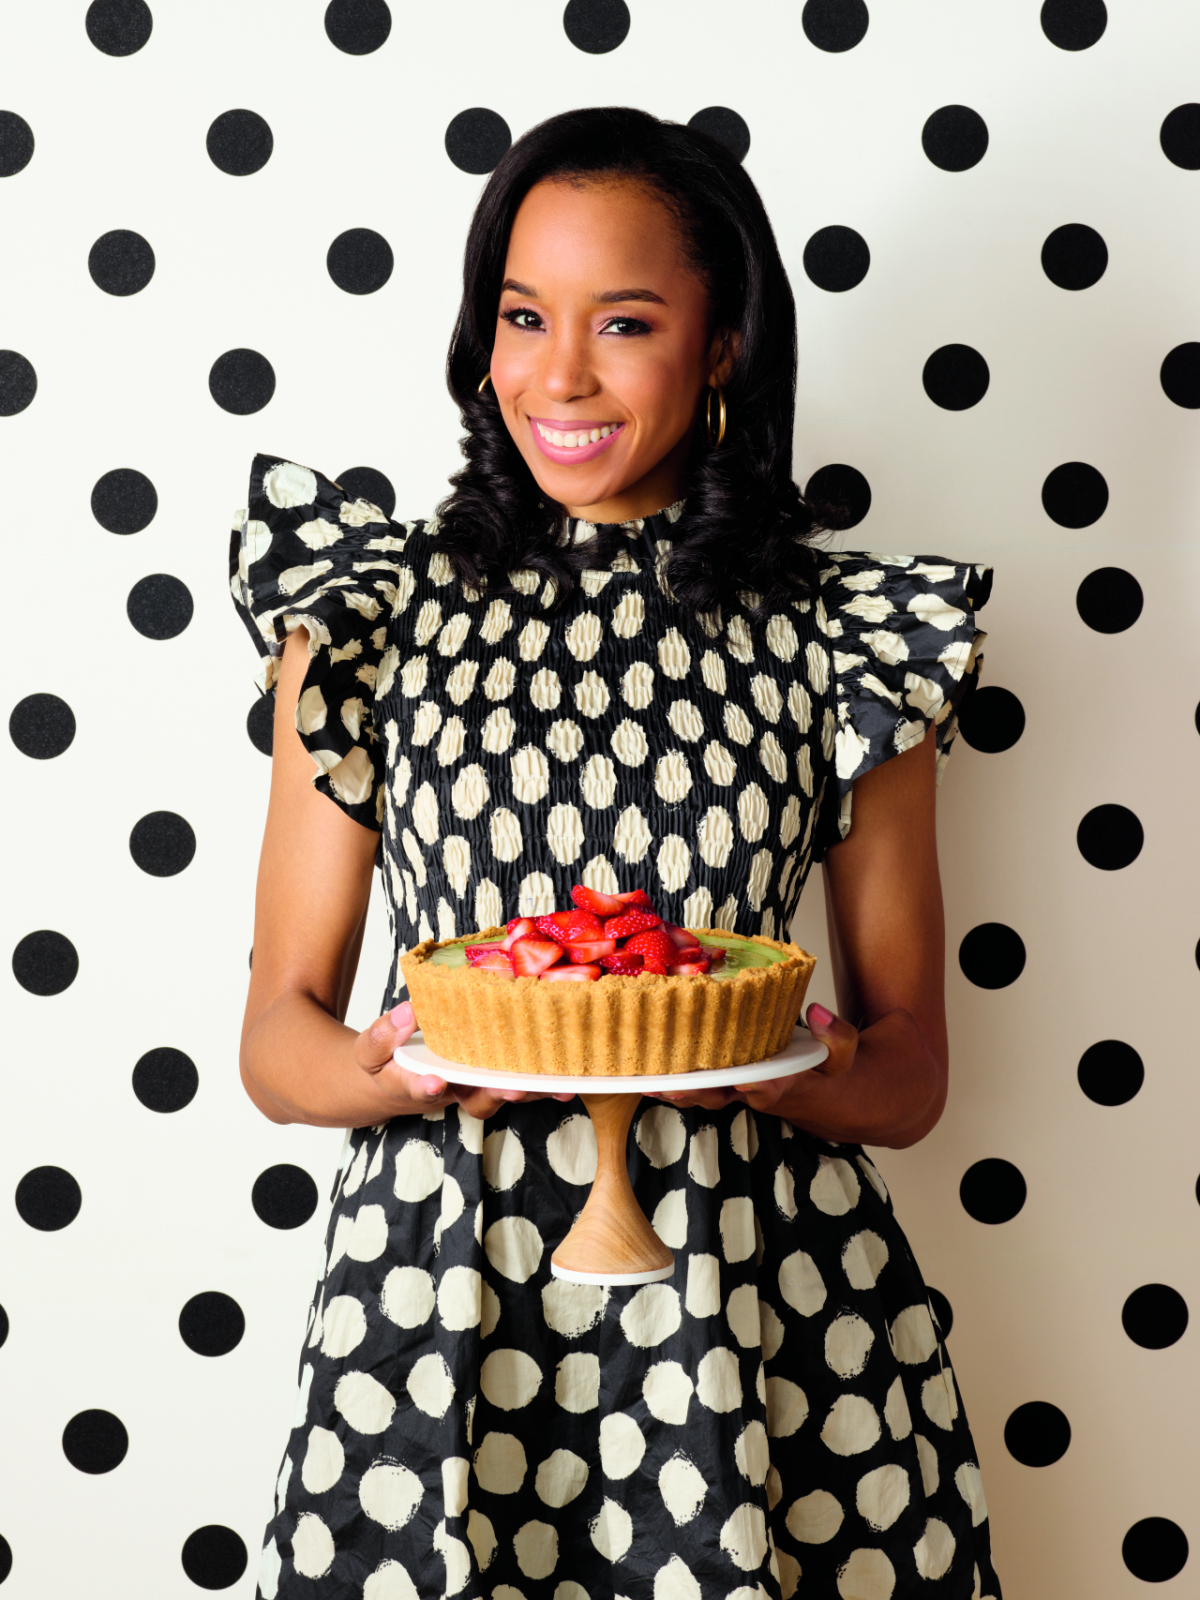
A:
x: 133, y: 1464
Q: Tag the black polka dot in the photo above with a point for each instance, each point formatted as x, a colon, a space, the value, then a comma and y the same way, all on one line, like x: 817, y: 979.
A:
x: 1110, y: 1072
x: 1037, y: 1434
x: 1110, y: 837
x: 1075, y: 495
x: 955, y: 138
x: 1155, y: 1549
x: 476, y: 139
x: 212, y: 1324
x: 124, y: 500
x: 95, y: 1441
x: 358, y: 26
x: 956, y: 377
x: 42, y: 726
x: 48, y: 1198
x: 991, y: 719
x: 365, y: 483
x: 992, y: 956
x: 121, y: 262
x: 726, y: 127
x: 214, y: 1557
x: 119, y: 27
x: 360, y: 261
x: 18, y: 383
x: 943, y: 1311
x: 260, y: 724
x: 1155, y: 1316
x: 241, y: 381
x: 16, y: 144
x: 1074, y: 256
x: 6, y: 1558
x: 992, y: 1190
x: 1109, y: 600
x: 3, y: 1326
x: 1074, y: 24
x: 159, y: 606
x: 1180, y: 376
x: 836, y: 259
x: 1180, y: 136
x: 841, y: 493
x: 162, y: 843
x: 284, y: 1196
x: 45, y: 962
x: 164, y: 1079
x: 596, y: 26
x: 240, y: 143
x: 835, y: 25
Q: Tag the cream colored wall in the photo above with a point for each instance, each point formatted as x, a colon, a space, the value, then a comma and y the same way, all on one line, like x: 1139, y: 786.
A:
x: 241, y: 262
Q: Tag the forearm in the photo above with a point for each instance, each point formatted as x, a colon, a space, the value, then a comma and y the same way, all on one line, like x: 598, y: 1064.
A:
x: 298, y: 1065
x: 892, y: 1094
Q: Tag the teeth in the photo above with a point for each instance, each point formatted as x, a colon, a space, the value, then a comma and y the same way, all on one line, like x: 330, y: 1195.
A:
x: 572, y: 441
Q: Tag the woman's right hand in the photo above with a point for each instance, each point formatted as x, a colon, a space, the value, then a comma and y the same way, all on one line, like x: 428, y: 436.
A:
x: 418, y: 1092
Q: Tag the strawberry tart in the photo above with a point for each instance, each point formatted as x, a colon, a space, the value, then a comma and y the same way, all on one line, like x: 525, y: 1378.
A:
x: 606, y: 989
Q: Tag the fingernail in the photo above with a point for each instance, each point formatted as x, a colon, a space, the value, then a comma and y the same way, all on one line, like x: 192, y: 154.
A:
x: 433, y: 1087
x: 820, y: 1016
x: 401, y: 1016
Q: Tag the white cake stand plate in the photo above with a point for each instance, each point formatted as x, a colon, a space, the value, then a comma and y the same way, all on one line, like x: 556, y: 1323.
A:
x: 612, y: 1242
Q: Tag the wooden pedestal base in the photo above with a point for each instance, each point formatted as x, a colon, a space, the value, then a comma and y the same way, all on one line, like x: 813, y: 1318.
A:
x: 612, y: 1242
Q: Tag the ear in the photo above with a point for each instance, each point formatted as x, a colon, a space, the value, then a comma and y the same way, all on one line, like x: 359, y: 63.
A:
x: 722, y: 353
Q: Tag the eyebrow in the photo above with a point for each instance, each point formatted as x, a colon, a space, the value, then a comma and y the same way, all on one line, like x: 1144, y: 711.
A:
x: 608, y: 298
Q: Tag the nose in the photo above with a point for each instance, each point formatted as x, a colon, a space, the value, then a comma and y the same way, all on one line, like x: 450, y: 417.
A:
x: 567, y: 373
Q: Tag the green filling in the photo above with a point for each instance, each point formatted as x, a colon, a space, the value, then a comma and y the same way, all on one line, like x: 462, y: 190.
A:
x: 739, y: 954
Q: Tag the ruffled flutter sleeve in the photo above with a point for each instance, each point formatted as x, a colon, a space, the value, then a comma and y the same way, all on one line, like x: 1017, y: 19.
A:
x: 905, y: 652
x: 304, y: 554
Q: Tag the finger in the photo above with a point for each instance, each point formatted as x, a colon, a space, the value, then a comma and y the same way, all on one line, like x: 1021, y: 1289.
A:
x: 374, y: 1046
x: 425, y: 1089
x: 838, y: 1036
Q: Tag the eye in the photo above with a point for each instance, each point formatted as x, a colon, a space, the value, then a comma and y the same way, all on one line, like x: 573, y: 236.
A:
x: 626, y: 327
x: 517, y: 317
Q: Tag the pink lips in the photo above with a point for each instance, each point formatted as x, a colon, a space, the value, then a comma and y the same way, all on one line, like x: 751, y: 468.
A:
x: 570, y: 455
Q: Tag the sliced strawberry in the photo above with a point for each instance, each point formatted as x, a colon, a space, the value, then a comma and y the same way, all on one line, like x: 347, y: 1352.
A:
x: 531, y: 957
x: 684, y: 940
x: 636, y: 900
x: 689, y: 969
x: 715, y: 954
x: 692, y: 952
x: 600, y: 905
x: 623, y: 965
x: 493, y: 959
x: 477, y: 952
x: 583, y: 974
x: 631, y: 922
x: 519, y: 928
x: 654, y: 947
x: 585, y: 950
x: 568, y: 927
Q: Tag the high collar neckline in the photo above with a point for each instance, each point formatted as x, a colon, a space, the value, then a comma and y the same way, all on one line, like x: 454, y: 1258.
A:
x: 657, y: 524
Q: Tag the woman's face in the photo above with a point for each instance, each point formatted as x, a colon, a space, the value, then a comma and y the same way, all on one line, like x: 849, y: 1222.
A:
x: 602, y: 347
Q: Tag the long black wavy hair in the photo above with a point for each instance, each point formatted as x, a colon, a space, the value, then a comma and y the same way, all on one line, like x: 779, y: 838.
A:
x: 746, y: 525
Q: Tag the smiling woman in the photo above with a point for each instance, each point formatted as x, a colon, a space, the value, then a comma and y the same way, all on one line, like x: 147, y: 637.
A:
x: 614, y: 660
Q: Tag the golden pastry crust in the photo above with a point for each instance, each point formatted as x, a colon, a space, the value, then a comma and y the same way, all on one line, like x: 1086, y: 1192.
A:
x: 613, y: 1027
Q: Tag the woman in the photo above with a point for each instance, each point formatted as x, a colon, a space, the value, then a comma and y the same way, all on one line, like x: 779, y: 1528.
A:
x: 614, y: 657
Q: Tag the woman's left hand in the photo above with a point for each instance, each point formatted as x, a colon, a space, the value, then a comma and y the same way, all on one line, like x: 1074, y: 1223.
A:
x: 786, y: 1096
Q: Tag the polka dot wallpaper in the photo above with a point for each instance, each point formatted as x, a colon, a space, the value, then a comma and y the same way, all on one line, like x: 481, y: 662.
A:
x: 237, y: 228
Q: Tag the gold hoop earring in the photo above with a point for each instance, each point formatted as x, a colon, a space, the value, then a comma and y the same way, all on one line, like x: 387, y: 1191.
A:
x: 483, y: 382
x: 722, y: 414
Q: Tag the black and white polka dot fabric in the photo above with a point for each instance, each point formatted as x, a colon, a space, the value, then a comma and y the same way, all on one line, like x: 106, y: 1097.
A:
x: 780, y: 1416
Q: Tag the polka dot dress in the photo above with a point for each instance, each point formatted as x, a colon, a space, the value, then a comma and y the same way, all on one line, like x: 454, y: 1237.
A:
x: 779, y: 1417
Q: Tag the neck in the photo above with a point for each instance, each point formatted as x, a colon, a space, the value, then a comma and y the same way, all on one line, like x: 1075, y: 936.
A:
x: 660, y: 487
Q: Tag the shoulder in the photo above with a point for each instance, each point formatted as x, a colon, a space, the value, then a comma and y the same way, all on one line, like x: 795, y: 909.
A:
x: 870, y: 587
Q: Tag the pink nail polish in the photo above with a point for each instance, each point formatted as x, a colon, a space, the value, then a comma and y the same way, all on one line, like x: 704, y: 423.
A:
x: 401, y: 1016
x: 820, y: 1016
